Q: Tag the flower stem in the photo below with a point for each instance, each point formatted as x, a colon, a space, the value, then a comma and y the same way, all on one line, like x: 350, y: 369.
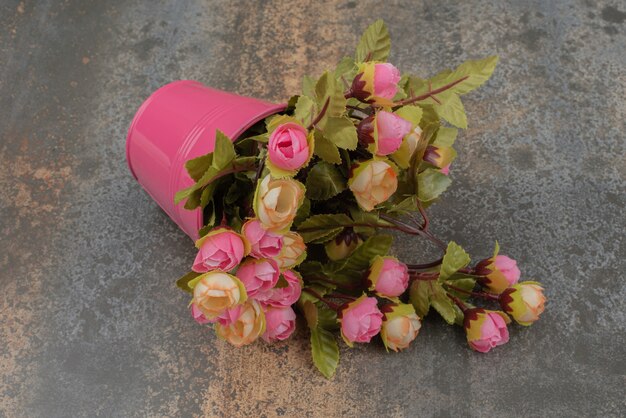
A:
x: 430, y: 93
x: 342, y: 285
x: 330, y: 304
x: 458, y: 302
x: 404, y: 227
x: 425, y: 265
x: 320, y: 115
x: 482, y: 295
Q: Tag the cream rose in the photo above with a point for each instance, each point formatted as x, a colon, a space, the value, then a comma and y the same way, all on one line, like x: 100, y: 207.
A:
x: 247, y: 327
x: 277, y: 201
x: 293, y: 251
x: 400, y: 326
x: 372, y: 182
x: 217, y: 291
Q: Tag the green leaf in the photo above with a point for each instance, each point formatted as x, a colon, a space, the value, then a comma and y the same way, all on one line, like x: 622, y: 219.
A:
x: 442, y: 303
x: 325, y: 149
x: 352, y: 268
x: 478, y: 71
x: 431, y: 183
x: 467, y: 284
x: 452, y: 110
x: 411, y: 113
x: 183, y: 282
x: 324, y: 181
x: 303, y: 211
x: 445, y: 136
x: 325, y: 351
x: 362, y: 217
x: 341, y: 132
x: 310, y: 313
x: 375, y: 43
x: 196, y: 167
x: 328, y: 89
x: 455, y: 258
x: 407, y: 205
x: 346, y: 69
x: 304, y: 110
x: 323, y: 226
x: 224, y: 152
x: 308, y: 86
x: 419, y: 295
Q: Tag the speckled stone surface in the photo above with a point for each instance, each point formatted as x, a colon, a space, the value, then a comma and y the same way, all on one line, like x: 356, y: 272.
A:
x: 91, y: 323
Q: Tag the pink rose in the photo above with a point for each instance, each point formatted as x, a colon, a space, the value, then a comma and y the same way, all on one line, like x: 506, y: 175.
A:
x: 388, y: 276
x: 439, y: 156
x: 390, y: 130
x: 221, y: 249
x: 486, y: 329
x: 376, y: 83
x: 285, y: 295
x: 197, y: 314
x: 279, y: 323
x: 288, y: 147
x: 258, y: 276
x: 263, y: 243
x: 445, y: 170
x: 360, y: 320
x: 499, y: 273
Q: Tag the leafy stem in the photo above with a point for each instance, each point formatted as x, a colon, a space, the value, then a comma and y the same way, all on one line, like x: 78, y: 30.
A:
x: 430, y: 93
x: 481, y: 295
x: 320, y: 115
x: 330, y: 304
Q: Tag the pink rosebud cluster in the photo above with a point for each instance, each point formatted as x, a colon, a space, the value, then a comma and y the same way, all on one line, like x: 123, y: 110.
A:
x: 247, y: 288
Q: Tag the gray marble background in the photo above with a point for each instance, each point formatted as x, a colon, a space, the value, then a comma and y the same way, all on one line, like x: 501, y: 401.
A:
x: 91, y: 323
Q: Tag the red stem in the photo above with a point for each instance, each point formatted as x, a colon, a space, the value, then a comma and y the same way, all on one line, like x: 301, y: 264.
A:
x: 430, y: 93
x: 320, y: 115
x: 330, y: 304
x: 482, y: 295
x: 458, y: 302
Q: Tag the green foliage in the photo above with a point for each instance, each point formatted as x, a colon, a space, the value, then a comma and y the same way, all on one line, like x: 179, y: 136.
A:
x: 352, y: 268
x: 455, y: 259
x: 478, y: 72
x: 323, y: 227
x: 325, y: 351
x: 426, y: 293
x: 346, y: 69
x: 452, y: 111
x: 419, y: 295
x: 305, y: 107
x: 375, y: 43
x: 196, y: 167
x: 324, y: 181
x: 328, y: 89
x: 325, y: 149
x: 445, y: 137
x: 431, y: 183
x: 341, y: 132
x: 183, y: 282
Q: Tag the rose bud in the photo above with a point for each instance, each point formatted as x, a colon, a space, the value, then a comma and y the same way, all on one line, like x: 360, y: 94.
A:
x: 217, y: 291
x: 293, y: 251
x: 247, y: 327
x: 439, y: 156
x: 263, y: 243
x: 445, y: 170
x: 279, y: 323
x: 199, y: 317
x: 360, y: 320
x: 288, y: 147
x: 382, y: 133
x: 343, y: 244
x: 221, y: 249
x: 498, y: 273
x: 404, y: 154
x: 376, y: 83
x: 388, y: 277
x: 372, y: 182
x: 524, y: 302
x: 400, y: 326
x: 486, y: 329
x: 277, y: 201
x: 286, y: 292
x: 258, y: 276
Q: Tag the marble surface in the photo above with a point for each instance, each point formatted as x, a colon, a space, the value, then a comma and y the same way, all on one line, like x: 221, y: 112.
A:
x: 91, y: 323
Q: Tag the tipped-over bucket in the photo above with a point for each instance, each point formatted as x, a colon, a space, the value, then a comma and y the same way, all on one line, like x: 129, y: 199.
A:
x: 177, y: 123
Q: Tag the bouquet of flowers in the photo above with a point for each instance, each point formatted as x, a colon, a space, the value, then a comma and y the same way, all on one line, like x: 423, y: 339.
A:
x: 296, y: 208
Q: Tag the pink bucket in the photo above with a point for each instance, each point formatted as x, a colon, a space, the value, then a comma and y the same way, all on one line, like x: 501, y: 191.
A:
x: 177, y: 123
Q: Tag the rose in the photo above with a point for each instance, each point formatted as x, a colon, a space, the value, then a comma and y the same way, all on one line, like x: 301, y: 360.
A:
x: 277, y: 201
x: 288, y: 148
x: 280, y: 323
x: 439, y: 156
x: 248, y: 323
x: 293, y: 251
x: 485, y: 329
x: 403, y: 155
x: 383, y: 132
x: 372, y: 182
x: 388, y: 276
x: 198, y: 316
x: 258, y: 276
x: 263, y: 243
x: 216, y: 291
x: 376, y: 83
x: 524, y: 302
x: 343, y: 244
x: 360, y: 320
x: 445, y: 170
x: 499, y: 272
x: 400, y: 325
x: 286, y: 292
x: 221, y: 249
